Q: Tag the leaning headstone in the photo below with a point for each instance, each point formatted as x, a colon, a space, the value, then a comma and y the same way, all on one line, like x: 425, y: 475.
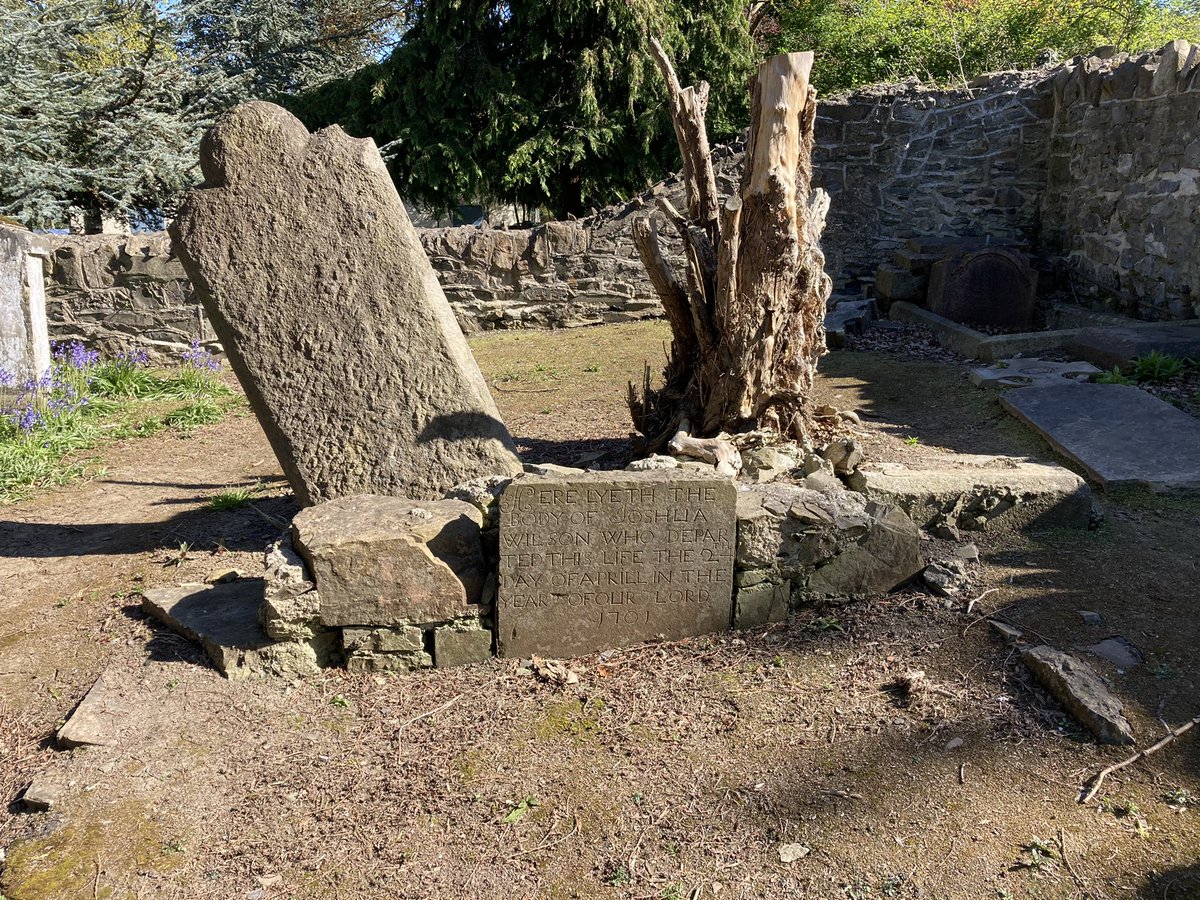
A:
x: 994, y: 286
x: 603, y: 560
x: 24, y: 344
x: 315, y: 281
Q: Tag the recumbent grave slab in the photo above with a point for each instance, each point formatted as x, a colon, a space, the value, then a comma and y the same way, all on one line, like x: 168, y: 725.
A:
x: 316, y: 283
x: 610, y: 559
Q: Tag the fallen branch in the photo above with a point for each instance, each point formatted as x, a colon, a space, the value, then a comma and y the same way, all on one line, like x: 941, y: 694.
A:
x: 428, y: 713
x: 718, y: 452
x: 1091, y: 787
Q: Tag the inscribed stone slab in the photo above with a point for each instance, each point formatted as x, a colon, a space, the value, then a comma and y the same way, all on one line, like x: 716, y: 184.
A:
x: 316, y: 283
x: 610, y: 559
x: 1120, y: 434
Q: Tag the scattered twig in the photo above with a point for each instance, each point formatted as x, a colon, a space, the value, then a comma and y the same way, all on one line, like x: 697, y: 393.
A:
x: 1092, y: 786
x: 274, y: 520
x: 546, y: 845
x: 429, y: 712
x: 505, y: 390
x: 971, y: 605
x: 1062, y: 852
x: 962, y: 773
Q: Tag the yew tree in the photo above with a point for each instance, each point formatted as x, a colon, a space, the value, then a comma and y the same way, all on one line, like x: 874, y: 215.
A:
x: 747, y: 312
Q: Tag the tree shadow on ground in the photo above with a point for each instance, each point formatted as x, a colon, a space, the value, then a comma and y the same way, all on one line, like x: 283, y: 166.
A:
x: 248, y: 528
x: 605, y: 453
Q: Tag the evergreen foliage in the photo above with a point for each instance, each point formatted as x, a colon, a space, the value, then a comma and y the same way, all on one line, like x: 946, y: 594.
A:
x: 103, y: 102
x: 553, y: 105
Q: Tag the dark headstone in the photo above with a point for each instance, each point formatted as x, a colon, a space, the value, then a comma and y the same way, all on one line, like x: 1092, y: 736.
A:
x: 607, y: 560
x: 316, y: 283
x: 993, y: 286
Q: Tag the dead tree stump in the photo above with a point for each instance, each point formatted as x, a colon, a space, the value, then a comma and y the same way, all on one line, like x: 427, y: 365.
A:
x: 747, y: 314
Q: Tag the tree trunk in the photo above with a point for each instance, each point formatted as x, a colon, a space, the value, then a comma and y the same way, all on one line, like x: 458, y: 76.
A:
x: 747, y: 317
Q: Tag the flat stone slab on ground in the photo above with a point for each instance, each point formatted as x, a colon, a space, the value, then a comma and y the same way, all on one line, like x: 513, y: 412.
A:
x: 314, y: 279
x: 973, y: 492
x: 221, y: 618
x: 1109, y: 346
x: 604, y: 560
x: 1025, y: 372
x: 1120, y: 434
x: 97, y: 719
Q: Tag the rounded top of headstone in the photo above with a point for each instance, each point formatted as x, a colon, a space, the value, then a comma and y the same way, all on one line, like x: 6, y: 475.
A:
x: 248, y: 138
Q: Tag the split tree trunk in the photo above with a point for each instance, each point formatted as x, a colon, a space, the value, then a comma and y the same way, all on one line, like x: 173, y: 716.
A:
x: 747, y: 315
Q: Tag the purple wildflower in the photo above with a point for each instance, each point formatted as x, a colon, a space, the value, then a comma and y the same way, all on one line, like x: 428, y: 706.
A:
x: 199, y: 358
x: 75, y: 355
x: 7, y: 379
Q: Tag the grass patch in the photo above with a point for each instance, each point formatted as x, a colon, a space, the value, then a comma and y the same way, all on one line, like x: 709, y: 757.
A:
x: 48, y: 426
x: 234, y: 497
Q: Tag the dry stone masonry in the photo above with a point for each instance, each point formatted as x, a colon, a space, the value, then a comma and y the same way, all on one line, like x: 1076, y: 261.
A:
x: 315, y: 281
x: 24, y: 343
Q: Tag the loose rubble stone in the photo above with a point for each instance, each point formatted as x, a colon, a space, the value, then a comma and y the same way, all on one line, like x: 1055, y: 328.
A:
x: 654, y: 463
x: 981, y: 492
x: 96, y: 720
x: 845, y: 453
x: 41, y: 796
x: 766, y: 464
x: 391, y: 561
x: 1119, y: 651
x: 1089, y: 617
x: 947, y: 578
x: 484, y: 494
x: 291, y: 609
x: 609, y: 559
x: 1081, y: 692
x: 826, y: 545
x: 1010, y: 634
x: 968, y: 552
x: 461, y: 644
x: 317, y: 285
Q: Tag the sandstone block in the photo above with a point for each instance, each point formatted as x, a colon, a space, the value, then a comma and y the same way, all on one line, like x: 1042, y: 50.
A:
x: 403, y: 639
x: 387, y: 561
x: 760, y: 604
x: 461, y: 644
x: 316, y: 283
x: 291, y: 608
x: 1081, y: 692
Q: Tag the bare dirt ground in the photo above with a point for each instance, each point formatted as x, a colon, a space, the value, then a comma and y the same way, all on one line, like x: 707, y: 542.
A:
x: 669, y: 771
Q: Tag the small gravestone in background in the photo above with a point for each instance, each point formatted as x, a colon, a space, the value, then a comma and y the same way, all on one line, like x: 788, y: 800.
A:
x: 24, y: 344
x: 315, y: 281
x: 607, y: 560
x: 992, y: 286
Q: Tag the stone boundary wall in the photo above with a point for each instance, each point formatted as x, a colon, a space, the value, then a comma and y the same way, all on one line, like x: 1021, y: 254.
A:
x: 114, y: 292
x: 1121, y: 200
x: 1093, y: 165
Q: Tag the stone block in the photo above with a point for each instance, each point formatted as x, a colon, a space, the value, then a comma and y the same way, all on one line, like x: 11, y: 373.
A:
x: 893, y: 283
x: 981, y: 492
x: 461, y: 644
x: 317, y: 285
x: 1081, y: 692
x: 402, y: 639
x: 97, y: 720
x: 761, y: 604
x: 602, y: 559
x: 363, y: 662
x: 387, y: 561
x: 291, y: 608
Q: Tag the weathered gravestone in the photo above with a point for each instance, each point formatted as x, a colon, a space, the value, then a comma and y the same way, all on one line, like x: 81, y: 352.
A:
x: 24, y: 345
x: 607, y: 560
x: 993, y: 286
x: 315, y: 281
